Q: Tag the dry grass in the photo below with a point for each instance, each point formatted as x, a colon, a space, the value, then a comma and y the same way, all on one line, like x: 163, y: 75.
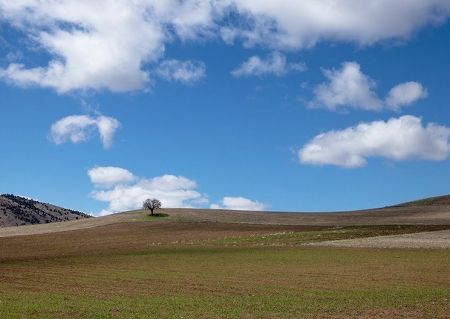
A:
x: 70, y: 225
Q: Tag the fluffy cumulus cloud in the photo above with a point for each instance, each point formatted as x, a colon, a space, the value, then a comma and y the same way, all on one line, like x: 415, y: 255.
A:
x: 109, y: 176
x: 293, y: 24
x: 99, y: 51
x: 123, y: 191
x: 275, y: 64
x: 396, y: 139
x: 113, y: 50
x: 238, y: 203
x: 349, y: 87
x: 404, y: 94
x: 182, y: 71
x: 88, y: 50
x: 79, y: 128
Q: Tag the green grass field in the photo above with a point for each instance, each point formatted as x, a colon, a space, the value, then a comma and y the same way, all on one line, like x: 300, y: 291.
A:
x: 165, y: 268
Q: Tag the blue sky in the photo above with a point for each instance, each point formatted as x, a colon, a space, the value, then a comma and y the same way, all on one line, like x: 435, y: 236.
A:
x: 228, y: 104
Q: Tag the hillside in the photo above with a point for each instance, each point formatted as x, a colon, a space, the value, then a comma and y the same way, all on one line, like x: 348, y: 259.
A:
x: 202, y: 263
x: 431, y: 201
x: 19, y: 211
x: 395, y: 215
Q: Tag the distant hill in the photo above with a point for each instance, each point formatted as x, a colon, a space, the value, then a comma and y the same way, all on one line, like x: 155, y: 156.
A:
x: 18, y: 211
x: 431, y: 201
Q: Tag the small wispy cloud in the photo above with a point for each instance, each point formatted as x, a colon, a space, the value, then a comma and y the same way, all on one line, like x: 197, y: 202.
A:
x: 238, y: 203
x: 187, y: 72
x: 274, y: 64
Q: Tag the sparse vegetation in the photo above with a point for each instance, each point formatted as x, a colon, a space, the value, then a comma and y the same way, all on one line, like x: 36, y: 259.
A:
x: 19, y: 211
x: 221, y: 282
x: 432, y: 201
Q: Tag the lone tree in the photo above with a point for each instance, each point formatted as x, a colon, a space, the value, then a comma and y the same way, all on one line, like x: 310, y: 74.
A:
x: 151, y: 204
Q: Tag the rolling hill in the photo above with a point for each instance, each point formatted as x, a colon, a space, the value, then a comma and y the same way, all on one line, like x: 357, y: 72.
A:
x: 431, y: 201
x: 432, y: 211
x: 203, y: 263
x: 20, y: 211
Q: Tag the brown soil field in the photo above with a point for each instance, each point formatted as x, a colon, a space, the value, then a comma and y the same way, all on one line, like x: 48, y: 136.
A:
x: 434, y: 239
x: 137, y: 232
x: 408, y: 215
x: 127, y: 237
x: 415, y: 215
x: 68, y: 225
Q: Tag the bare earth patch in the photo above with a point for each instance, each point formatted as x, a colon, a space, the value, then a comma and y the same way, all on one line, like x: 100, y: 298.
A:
x: 434, y: 239
x: 68, y: 225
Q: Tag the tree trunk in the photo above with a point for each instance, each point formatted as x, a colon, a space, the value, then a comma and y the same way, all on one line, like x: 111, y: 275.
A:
x: 151, y: 210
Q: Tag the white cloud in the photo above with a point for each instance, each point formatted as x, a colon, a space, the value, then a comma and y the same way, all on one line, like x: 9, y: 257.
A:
x: 79, y: 128
x: 124, y: 191
x: 89, y: 50
x: 294, y: 24
x: 113, y: 50
x: 396, y: 139
x: 275, y: 64
x: 238, y: 203
x: 405, y: 93
x: 349, y: 87
x: 107, y: 176
x: 100, y: 51
x: 182, y: 71
x: 127, y: 192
